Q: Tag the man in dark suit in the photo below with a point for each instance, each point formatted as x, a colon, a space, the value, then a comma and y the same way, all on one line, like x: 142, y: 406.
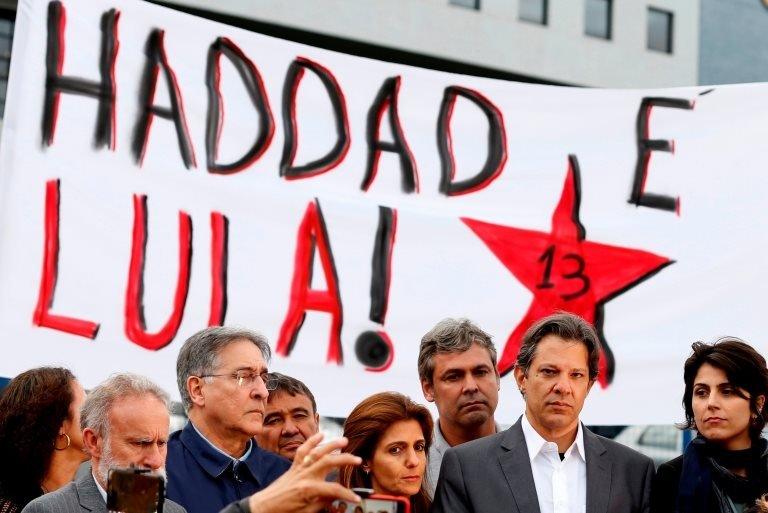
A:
x: 548, y: 462
x: 125, y: 422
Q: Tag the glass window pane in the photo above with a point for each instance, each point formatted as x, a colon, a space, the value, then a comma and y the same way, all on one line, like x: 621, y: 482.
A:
x: 534, y: 11
x: 5, y: 46
x: 659, y: 30
x: 471, y: 4
x: 6, y: 27
x: 6, y: 38
x: 598, y: 18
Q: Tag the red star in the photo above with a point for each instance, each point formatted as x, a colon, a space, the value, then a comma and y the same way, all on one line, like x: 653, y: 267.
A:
x: 564, y: 271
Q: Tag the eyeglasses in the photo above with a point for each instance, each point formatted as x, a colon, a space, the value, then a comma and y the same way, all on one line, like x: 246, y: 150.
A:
x: 247, y: 378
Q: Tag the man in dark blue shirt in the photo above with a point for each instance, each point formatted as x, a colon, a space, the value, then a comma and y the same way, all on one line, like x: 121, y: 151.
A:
x: 223, y: 381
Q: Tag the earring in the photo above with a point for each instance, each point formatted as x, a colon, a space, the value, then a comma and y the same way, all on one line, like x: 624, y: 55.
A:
x: 366, y: 470
x: 69, y: 442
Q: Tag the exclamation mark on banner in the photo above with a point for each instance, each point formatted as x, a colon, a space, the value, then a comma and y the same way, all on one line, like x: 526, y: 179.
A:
x: 374, y: 348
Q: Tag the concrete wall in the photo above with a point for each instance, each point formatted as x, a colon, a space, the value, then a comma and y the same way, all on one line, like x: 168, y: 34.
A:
x: 734, y: 42
x: 494, y: 37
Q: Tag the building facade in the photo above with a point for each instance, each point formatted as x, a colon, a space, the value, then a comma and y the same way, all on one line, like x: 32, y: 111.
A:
x: 593, y: 43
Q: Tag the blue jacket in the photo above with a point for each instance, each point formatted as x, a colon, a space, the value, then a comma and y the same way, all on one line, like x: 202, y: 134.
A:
x: 204, y: 480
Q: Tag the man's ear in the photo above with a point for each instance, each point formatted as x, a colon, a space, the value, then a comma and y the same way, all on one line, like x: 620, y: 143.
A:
x: 428, y: 389
x: 317, y: 419
x: 92, y: 443
x: 195, y: 390
x: 520, y: 378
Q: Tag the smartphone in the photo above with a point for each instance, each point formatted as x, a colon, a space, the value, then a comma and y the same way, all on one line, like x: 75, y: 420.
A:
x: 133, y: 490
x: 372, y: 503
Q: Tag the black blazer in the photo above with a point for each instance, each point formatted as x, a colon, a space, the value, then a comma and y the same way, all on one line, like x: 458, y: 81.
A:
x: 665, y: 486
x: 494, y: 474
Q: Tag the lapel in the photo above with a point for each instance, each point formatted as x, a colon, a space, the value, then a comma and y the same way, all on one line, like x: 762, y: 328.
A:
x: 88, y: 493
x: 598, y: 473
x: 516, y: 466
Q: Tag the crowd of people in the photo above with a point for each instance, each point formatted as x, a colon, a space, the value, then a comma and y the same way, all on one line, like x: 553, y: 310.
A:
x: 252, y: 443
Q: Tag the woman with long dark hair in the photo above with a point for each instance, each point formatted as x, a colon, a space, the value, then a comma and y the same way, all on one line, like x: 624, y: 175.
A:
x: 725, y: 468
x: 41, y: 444
x: 392, y: 435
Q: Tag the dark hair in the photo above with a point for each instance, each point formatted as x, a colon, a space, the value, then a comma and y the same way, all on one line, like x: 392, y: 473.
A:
x: 451, y: 336
x: 33, y: 407
x: 744, y: 367
x: 567, y: 326
x: 290, y: 385
x: 364, y: 427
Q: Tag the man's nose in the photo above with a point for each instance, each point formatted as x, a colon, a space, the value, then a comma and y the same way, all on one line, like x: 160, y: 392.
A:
x: 470, y: 383
x: 259, y: 389
x: 290, y: 428
x: 153, y: 457
x: 562, y: 386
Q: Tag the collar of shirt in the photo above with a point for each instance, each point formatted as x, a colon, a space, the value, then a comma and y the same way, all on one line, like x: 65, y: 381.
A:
x: 102, y: 491
x: 537, y: 445
x: 439, y: 441
x: 212, y: 459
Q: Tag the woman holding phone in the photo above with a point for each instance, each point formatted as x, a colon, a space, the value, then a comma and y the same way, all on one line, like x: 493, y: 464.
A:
x: 725, y: 468
x: 392, y: 435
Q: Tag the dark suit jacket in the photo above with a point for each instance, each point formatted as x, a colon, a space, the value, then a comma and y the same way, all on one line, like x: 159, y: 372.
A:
x: 494, y: 474
x: 80, y: 496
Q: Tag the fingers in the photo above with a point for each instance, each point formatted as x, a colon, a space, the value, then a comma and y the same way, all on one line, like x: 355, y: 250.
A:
x: 328, y: 448
x: 318, y: 452
x: 331, y: 461
x: 304, y: 449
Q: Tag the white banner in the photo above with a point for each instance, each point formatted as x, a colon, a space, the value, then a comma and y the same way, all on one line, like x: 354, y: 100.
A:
x: 162, y: 172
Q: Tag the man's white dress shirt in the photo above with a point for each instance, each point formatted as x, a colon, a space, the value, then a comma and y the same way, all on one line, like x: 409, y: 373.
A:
x: 560, y: 485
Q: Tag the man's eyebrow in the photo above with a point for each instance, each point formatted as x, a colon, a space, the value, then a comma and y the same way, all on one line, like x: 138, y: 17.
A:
x: 299, y: 409
x: 258, y: 370
x: 142, y: 439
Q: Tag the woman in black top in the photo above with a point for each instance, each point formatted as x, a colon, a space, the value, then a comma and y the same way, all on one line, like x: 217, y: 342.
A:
x: 725, y: 468
x: 41, y: 443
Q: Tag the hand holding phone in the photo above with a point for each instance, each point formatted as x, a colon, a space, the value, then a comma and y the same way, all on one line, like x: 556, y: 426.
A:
x: 133, y: 490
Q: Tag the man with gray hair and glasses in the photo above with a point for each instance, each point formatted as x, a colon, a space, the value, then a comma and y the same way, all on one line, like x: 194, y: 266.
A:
x: 457, y: 369
x: 125, y: 423
x: 224, y: 383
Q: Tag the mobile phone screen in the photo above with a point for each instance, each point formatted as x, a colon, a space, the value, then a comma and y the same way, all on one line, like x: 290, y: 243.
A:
x: 369, y: 506
x: 381, y: 506
x: 132, y: 491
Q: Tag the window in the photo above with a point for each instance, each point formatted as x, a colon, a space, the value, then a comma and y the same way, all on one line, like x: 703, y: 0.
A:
x: 534, y: 11
x: 6, y: 38
x: 660, y: 30
x: 469, y: 4
x: 598, y: 18
x: 661, y: 437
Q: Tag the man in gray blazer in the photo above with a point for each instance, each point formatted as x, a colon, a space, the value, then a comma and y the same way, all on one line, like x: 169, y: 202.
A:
x: 548, y: 461
x: 125, y: 422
